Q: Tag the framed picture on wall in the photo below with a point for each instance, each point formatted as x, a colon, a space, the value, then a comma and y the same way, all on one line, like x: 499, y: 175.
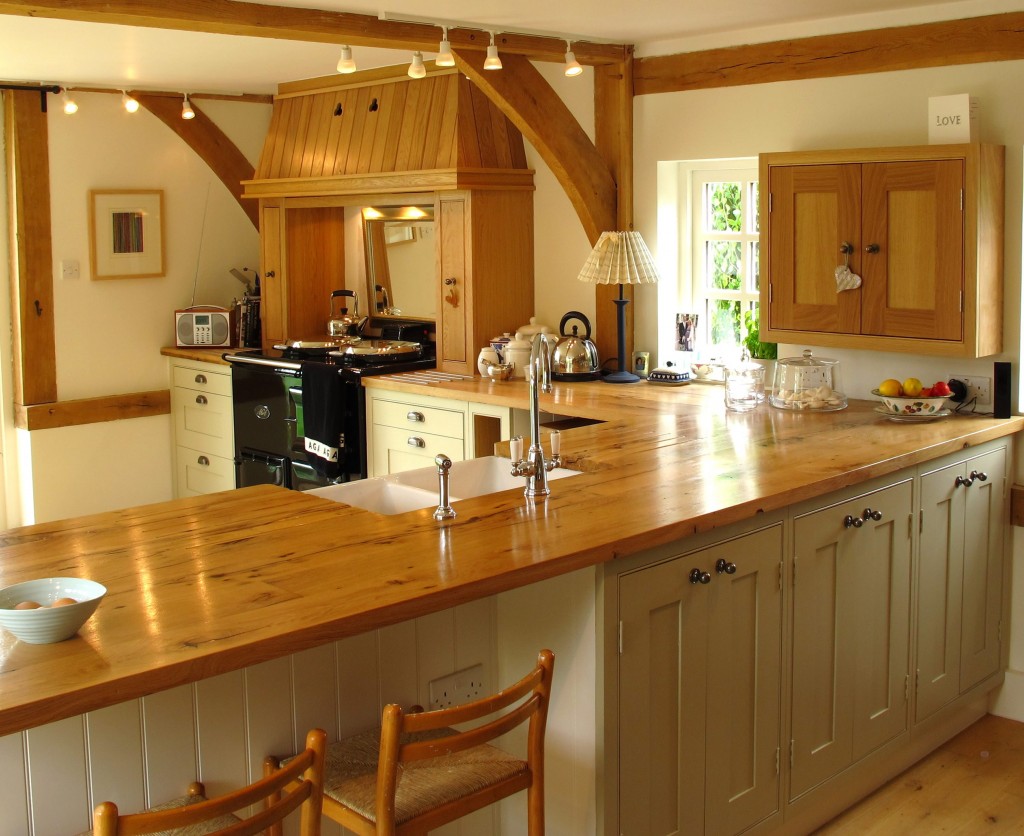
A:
x: 126, y: 233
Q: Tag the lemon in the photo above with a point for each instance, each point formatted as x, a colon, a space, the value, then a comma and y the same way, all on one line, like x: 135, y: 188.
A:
x: 912, y: 387
x: 890, y: 388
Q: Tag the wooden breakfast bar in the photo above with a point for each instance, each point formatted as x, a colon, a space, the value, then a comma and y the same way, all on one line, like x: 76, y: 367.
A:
x: 203, y: 586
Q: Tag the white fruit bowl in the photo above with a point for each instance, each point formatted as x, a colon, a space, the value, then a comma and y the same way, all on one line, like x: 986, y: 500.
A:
x: 48, y: 624
x: 905, y: 405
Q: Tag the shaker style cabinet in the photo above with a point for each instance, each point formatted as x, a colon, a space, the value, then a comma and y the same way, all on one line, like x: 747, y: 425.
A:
x: 406, y: 431
x: 204, y: 447
x: 851, y: 631
x: 485, y: 271
x: 921, y: 227
x: 962, y: 523
x: 699, y: 688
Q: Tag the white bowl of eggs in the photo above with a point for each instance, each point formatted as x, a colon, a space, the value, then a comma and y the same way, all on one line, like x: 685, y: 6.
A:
x: 48, y: 610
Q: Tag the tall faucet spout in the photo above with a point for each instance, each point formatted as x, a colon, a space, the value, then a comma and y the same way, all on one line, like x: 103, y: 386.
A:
x: 540, y: 381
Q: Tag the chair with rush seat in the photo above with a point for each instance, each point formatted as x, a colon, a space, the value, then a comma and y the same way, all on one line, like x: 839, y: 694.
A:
x: 417, y: 773
x: 296, y: 786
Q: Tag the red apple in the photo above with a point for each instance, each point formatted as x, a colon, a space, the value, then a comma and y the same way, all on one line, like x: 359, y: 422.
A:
x: 941, y: 390
x: 928, y: 393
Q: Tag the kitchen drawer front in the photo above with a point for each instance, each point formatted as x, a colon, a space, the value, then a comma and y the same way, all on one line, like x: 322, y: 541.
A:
x: 201, y: 380
x: 203, y: 422
x: 419, y: 418
x: 200, y: 473
x: 396, y: 449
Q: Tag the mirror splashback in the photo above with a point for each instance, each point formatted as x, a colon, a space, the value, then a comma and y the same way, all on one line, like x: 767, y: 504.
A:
x: 401, y: 261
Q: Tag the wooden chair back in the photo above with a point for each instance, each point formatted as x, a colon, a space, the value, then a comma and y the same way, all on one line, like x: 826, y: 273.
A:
x: 277, y: 801
x: 531, y: 695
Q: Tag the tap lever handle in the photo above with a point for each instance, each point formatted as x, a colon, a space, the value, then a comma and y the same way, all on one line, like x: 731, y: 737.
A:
x: 556, y: 442
x: 515, y: 447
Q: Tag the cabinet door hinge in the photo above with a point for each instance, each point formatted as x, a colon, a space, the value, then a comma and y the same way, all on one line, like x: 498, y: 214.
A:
x: 961, y: 301
x: 906, y: 686
x: 910, y: 524
x: 961, y: 200
x: 780, y: 574
x: 620, y: 638
x: 792, y: 748
x: 778, y: 758
x: 794, y: 571
x: 770, y: 201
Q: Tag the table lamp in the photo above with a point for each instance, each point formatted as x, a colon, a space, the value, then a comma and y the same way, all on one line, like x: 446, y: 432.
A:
x: 620, y: 258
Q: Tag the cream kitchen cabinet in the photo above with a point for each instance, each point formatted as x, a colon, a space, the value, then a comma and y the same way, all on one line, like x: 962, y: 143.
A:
x: 963, y: 527
x: 406, y: 431
x: 485, y: 258
x: 201, y: 408
x: 697, y: 685
x: 922, y: 227
x: 851, y: 584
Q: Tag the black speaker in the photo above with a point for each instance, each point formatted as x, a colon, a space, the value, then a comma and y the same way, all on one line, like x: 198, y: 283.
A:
x: 1001, y: 390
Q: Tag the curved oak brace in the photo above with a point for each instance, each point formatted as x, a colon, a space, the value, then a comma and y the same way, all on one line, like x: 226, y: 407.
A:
x: 209, y: 142
x: 526, y: 98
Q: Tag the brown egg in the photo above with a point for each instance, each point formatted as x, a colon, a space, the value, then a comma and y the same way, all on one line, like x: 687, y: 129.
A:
x: 27, y: 605
x: 63, y: 602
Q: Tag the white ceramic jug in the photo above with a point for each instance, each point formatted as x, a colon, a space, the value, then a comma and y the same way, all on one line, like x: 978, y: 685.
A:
x: 517, y: 352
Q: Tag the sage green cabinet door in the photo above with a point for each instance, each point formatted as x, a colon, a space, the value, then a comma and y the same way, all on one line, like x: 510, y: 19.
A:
x: 963, y: 512
x: 984, y: 529
x: 699, y: 690
x: 851, y: 632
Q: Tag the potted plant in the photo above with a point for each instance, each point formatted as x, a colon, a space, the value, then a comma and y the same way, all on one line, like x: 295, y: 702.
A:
x: 764, y: 354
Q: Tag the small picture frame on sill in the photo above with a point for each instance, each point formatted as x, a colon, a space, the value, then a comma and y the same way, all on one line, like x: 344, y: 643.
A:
x: 126, y: 233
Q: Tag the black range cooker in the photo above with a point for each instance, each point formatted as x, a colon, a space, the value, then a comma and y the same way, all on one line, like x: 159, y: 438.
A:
x: 269, y: 418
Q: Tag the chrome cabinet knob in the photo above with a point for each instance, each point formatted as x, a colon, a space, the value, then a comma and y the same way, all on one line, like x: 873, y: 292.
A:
x: 200, y: 378
x: 724, y: 566
x: 979, y: 475
x: 851, y: 521
x: 201, y: 400
x: 697, y: 576
x: 413, y: 441
x: 872, y: 248
x: 415, y: 417
x: 871, y: 515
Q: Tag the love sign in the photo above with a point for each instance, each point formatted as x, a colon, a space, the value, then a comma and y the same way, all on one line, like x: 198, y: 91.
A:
x: 952, y: 119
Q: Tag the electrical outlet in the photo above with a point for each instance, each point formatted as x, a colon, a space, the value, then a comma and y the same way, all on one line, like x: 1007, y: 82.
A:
x: 978, y: 388
x: 457, y: 688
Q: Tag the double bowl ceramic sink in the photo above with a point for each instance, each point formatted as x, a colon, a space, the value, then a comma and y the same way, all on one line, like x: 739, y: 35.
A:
x: 412, y: 490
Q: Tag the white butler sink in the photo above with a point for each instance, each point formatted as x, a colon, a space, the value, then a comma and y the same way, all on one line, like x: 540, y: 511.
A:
x: 415, y: 489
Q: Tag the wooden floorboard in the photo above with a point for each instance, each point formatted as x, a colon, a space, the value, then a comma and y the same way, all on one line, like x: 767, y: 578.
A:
x: 973, y: 784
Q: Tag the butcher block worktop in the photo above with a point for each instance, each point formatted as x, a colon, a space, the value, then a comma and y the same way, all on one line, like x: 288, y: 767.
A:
x: 205, y: 585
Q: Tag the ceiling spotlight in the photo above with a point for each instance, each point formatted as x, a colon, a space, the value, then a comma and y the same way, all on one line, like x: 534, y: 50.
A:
x: 416, y: 68
x: 70, y: 105
x: 572, y: 66
x: 444, y: 51
x: 186, y: 109
x: 129, y: 103
x: 492, y: 61
x: 346, y: 64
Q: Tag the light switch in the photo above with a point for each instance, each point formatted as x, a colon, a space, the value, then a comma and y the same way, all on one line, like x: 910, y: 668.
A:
x: 69, y: 269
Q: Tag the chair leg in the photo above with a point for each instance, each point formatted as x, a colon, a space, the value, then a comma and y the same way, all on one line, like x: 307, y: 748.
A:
x: 535, y: 808
x: 270, y: 766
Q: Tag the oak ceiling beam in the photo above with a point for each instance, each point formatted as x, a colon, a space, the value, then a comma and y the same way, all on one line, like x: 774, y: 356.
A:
x: 525, y: 97
x: 212, y: 145
x: 233, y: 17
x: 971, y: 41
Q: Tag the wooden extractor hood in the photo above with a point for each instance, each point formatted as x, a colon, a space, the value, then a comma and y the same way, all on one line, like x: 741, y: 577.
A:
x: 382, y: 132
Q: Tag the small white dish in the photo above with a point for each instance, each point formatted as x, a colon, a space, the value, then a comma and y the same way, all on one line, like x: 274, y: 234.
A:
x: 913, y: 419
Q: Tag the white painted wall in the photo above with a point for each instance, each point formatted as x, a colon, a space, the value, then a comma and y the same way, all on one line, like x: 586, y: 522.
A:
x: 109, y: 333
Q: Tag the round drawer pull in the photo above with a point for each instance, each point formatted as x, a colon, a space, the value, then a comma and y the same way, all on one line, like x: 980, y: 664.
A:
x: 415, y: 417
x: 201, y: 400
x: 200, y: 378
x: 205, y: 462
x: 413, y: 441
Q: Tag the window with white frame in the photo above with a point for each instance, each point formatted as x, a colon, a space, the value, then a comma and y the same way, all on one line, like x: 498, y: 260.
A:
x: 724, y: 255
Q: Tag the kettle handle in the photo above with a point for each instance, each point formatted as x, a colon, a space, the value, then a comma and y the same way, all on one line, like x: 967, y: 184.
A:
x: 352, y: 293
x: 574, y: 315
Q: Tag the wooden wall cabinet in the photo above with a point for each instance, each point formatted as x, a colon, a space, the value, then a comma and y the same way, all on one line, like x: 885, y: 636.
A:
x: 302, y: 252
x: 959, y: 608
x: 921, y: 226
x: 485, y: 271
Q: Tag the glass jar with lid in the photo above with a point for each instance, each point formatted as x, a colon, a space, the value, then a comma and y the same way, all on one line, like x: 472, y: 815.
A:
x: 807, y: 383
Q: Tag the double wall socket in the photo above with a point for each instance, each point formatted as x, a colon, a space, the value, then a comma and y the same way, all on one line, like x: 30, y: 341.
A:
x: 979, y: 388
x: 457, y: 688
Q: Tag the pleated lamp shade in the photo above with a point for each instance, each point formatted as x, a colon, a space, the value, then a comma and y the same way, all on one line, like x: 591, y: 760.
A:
x: 619, y: 258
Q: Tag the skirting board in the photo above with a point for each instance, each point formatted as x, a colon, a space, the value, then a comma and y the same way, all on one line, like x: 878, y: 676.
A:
x: 1008, y: 700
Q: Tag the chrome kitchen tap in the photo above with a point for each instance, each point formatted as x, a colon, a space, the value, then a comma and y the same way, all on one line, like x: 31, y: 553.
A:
x: 534, y: 467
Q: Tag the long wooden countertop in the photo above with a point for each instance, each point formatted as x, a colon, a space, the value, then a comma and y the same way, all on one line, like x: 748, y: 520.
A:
x: 205, y: 585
